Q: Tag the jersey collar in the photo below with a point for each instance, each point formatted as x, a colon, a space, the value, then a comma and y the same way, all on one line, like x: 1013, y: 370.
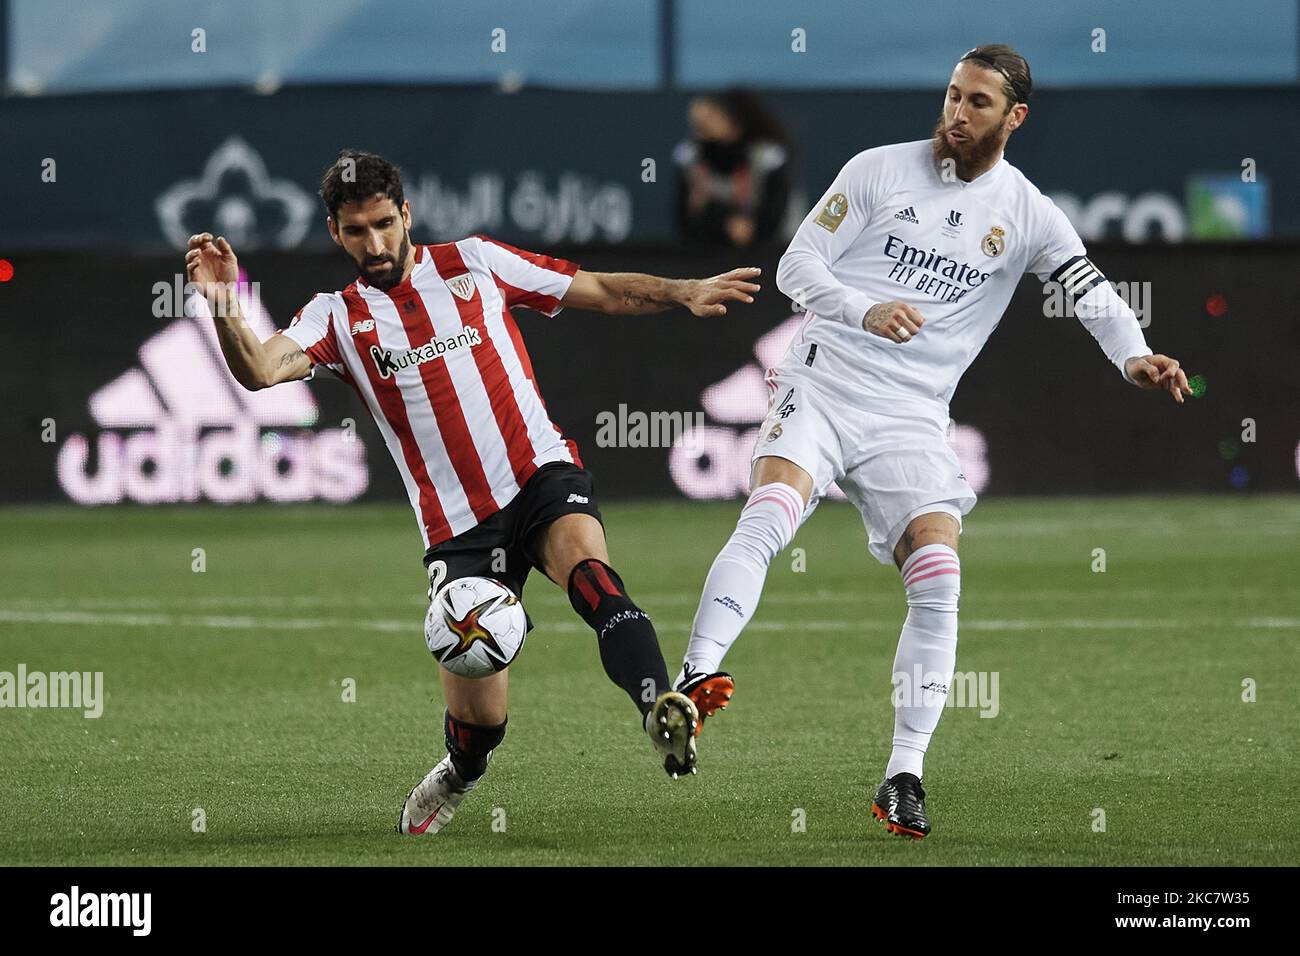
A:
x: 982, y: 181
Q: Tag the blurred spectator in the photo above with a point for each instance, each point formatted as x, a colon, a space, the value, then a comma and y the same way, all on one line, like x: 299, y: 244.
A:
x: 734, y: 182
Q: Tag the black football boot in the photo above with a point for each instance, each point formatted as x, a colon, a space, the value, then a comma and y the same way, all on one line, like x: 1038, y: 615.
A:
x: 900, y: 802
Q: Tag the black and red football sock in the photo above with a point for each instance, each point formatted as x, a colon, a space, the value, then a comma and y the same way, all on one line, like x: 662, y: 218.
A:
x: 470, y: 745
x: 629, y: 647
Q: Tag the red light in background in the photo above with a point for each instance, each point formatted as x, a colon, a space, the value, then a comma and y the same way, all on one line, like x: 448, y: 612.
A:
x: 1216, y: 305
x: 6, y: 270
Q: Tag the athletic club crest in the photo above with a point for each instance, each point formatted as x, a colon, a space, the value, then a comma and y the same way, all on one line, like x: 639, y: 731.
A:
x: 993, y: 244
x: 462, y: 286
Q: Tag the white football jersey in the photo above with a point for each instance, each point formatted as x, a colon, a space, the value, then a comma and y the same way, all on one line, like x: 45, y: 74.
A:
x: 892, y: 228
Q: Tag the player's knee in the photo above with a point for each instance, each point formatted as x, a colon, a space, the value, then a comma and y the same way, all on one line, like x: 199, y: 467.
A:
x: 932, y: 578
x: 938, y: 527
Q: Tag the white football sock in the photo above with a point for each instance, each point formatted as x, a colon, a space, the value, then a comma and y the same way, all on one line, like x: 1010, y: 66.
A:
x: 927, y: 653
x: 731, y: 592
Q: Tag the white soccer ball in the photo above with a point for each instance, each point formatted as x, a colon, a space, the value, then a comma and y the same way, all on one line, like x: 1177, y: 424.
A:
x: 475, y: 626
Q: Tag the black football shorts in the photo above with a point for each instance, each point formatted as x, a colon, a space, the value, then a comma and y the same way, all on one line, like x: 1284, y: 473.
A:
x: 499, y: 547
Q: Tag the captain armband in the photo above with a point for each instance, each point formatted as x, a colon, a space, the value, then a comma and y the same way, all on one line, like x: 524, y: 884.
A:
x: 1077, y: 277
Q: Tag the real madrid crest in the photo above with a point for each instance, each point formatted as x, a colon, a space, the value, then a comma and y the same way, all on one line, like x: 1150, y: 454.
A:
x: 993, y: 243
x: 775, y: 433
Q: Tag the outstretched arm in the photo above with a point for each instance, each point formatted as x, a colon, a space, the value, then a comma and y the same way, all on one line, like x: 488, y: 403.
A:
x: 633, y: 293
x: 211, y: 265
x: 1062, y: 260
x: 1115, y: 327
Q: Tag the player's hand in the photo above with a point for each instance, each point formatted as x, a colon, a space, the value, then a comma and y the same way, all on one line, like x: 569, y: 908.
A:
x: 1158, y: 371
x: 705, y: 296
x: 210, y: 262
x: 896, y: 321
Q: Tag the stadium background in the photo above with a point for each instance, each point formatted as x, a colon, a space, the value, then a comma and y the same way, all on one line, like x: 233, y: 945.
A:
x: 1172, y: 152
x: 121, y: 140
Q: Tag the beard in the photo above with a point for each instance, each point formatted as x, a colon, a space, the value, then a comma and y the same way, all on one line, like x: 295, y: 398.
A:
x: 383, y: 281
x: 969, y: 156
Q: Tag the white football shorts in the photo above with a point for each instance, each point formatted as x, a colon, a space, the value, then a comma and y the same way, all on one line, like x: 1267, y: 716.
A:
x: 892, y: 467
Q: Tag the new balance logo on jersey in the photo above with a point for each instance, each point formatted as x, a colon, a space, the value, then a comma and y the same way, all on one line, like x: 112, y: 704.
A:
x: 578, y: 499
x: 908, y: 215
x: 388, y: 362
x: 365, y: 325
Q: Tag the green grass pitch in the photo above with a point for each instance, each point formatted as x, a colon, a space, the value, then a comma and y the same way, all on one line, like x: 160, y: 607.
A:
x: 1120, y: 691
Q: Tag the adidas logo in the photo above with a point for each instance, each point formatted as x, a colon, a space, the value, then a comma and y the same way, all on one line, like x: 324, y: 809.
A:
x: 908, y: 215
x: 579, y: 499
x: 712, y: 460
x: 179, y: 428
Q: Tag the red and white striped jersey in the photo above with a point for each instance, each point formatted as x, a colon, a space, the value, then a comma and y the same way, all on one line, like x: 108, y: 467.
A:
x: 440, y: 364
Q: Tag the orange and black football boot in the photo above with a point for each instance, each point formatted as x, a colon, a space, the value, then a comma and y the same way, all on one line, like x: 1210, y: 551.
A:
x: 709, y: 692
x: 900, y: 802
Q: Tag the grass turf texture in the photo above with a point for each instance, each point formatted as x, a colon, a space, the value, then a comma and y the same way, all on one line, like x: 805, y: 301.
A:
x: 1119, y: 690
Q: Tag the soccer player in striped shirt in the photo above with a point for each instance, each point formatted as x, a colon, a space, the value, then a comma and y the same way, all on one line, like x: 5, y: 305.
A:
x: 904, y: 268
x: 425, y: 337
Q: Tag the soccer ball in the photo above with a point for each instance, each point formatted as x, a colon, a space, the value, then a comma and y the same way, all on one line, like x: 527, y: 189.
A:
x: 475, y: 626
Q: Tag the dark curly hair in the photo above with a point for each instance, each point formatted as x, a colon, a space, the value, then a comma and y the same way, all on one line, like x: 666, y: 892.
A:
x: 367, y: 174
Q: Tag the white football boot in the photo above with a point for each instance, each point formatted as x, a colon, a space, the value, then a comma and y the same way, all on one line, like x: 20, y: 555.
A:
x: 671, y: 725
x: 432, y: 802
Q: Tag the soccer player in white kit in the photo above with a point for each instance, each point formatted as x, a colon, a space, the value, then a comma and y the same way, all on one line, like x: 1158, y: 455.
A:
x: 904, y: 269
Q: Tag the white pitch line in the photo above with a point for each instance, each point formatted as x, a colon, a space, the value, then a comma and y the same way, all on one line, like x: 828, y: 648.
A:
x: 891, y: 594
x: 223, y: 622
x: 247, y: 622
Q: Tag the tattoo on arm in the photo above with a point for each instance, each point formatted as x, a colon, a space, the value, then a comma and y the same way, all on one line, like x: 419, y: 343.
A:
x: 636, y: 300
x: 288, y: 358
x: 643, y: 293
